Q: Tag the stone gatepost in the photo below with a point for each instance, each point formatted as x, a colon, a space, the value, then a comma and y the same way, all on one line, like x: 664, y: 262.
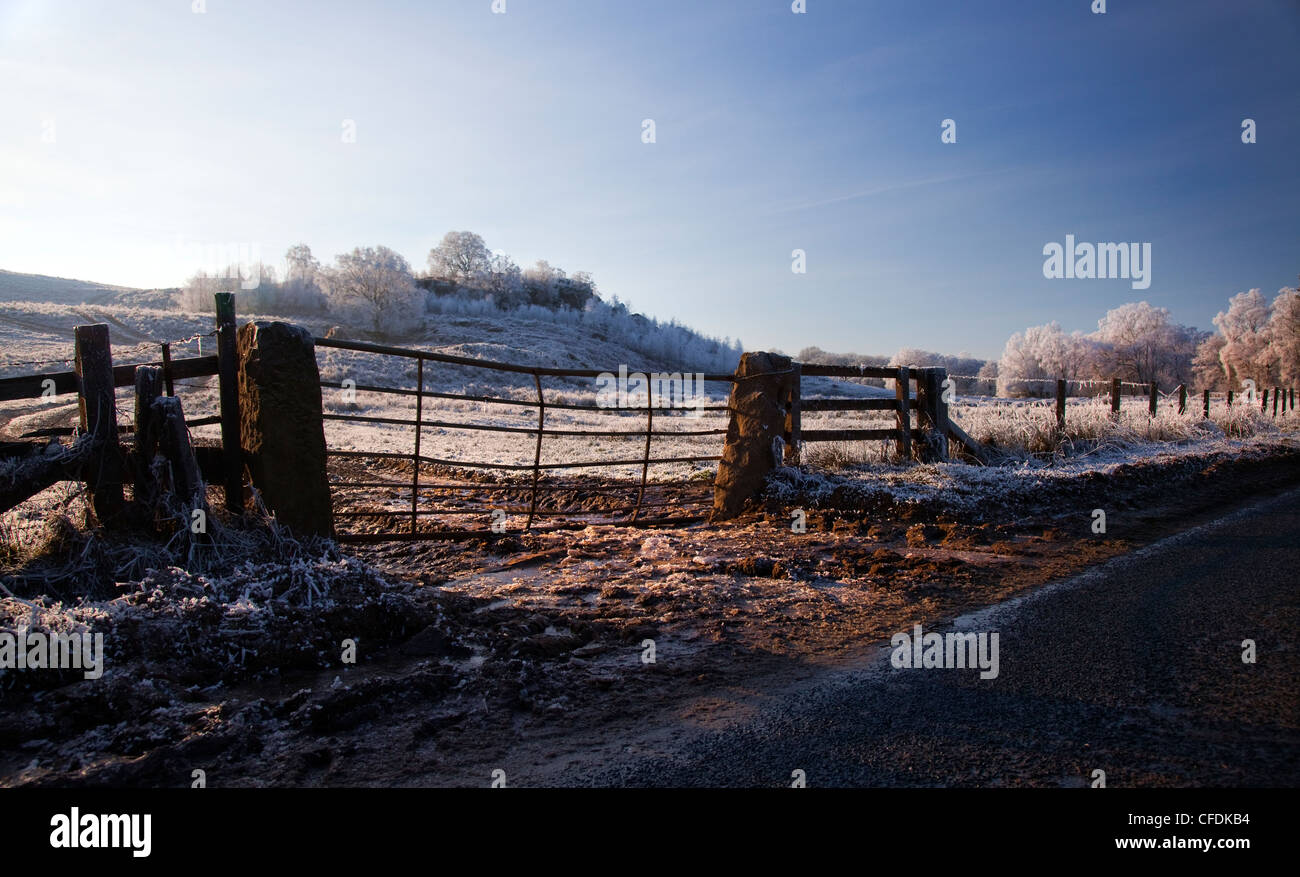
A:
x: 282, y: 432
x: 757, y: 423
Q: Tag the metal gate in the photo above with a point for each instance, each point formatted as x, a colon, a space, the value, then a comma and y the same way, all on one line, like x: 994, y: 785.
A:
x: 435, y: 492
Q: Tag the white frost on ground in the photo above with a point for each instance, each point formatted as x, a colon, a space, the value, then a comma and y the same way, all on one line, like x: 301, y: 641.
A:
x: 32, y: 329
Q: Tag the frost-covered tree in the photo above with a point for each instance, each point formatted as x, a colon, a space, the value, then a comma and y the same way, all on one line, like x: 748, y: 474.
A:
x: 576, y: 291
x: 987, y: 378
x: 542, y: 284
x: 299, y: 262
x: 961, y: 364
x: 1141, y: 343
x: 1284, y: 335
x: 504, y: 282
x: 461, y: 257
x: 253, y: 285
x: 1041, y: 354
x: 1208, y: 372
x: 1246, y: 351
x: 374, y: 285
x: 300, y: 292
x: 196, y: 296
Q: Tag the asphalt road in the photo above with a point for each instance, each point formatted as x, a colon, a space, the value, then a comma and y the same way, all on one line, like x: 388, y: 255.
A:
x: 1134, y: 668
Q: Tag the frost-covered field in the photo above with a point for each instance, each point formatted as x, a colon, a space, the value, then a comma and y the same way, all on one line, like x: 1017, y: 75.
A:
x: 1031, y: 456
x: 37, y: 316
x: 36, y: 336
x: 1024, y: 430
x: 468, y: 446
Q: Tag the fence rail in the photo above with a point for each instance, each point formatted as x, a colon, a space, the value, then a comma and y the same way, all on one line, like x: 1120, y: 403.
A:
x: 34, y: 386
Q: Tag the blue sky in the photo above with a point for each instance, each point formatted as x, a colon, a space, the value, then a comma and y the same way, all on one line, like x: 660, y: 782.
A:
x: 174, y: 131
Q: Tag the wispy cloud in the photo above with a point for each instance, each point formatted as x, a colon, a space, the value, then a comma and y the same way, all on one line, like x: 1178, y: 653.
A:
x: 885, y: 189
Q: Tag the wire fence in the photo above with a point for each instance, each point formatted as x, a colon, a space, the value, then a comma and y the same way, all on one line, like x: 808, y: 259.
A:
x: 188, y: 371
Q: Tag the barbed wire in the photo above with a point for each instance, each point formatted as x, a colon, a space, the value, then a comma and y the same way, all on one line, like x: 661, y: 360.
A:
x: 147, y: 345
x: 1087, y: 382
x: 65, y: 361
x: 123, y: 352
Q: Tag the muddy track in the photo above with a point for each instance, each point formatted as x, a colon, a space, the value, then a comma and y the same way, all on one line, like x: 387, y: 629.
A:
x: 537, y: 665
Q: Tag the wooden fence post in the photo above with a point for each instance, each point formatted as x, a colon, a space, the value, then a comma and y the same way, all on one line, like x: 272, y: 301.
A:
x: 1182, y: 398
x: 174, y: 443
x: 1277, y: 391
x: 901, y: 391
x: 793, y: 416
x: 148, y: 387
x: 1229, y: 398
x: 1060, y: 405
x: 1153, y: 390
x: 228, y: 376
x: 167, y: 369
x: 98, y: 409
x: 932, y: 415
x: 1206, y: 402
x: 1263, y: 402
x: 1114, y: 398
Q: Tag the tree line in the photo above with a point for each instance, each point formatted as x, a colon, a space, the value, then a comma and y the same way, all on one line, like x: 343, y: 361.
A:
x: 1255, y: 339
x: 376, y: 287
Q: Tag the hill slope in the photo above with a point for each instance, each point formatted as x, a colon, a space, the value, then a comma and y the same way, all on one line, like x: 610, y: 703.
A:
x: 38, y: 315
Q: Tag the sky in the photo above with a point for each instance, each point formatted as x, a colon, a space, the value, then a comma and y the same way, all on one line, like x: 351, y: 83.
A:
x: 141, y: 140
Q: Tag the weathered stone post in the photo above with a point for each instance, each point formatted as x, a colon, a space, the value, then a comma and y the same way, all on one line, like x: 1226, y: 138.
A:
x: 757, y: 421
x: 282, y: 431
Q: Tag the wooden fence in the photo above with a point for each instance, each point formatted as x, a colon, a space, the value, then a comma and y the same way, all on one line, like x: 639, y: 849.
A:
x: 1178, y: 398
x: 100, y: 459
x: 926, y: 437
x: 932, y: 411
